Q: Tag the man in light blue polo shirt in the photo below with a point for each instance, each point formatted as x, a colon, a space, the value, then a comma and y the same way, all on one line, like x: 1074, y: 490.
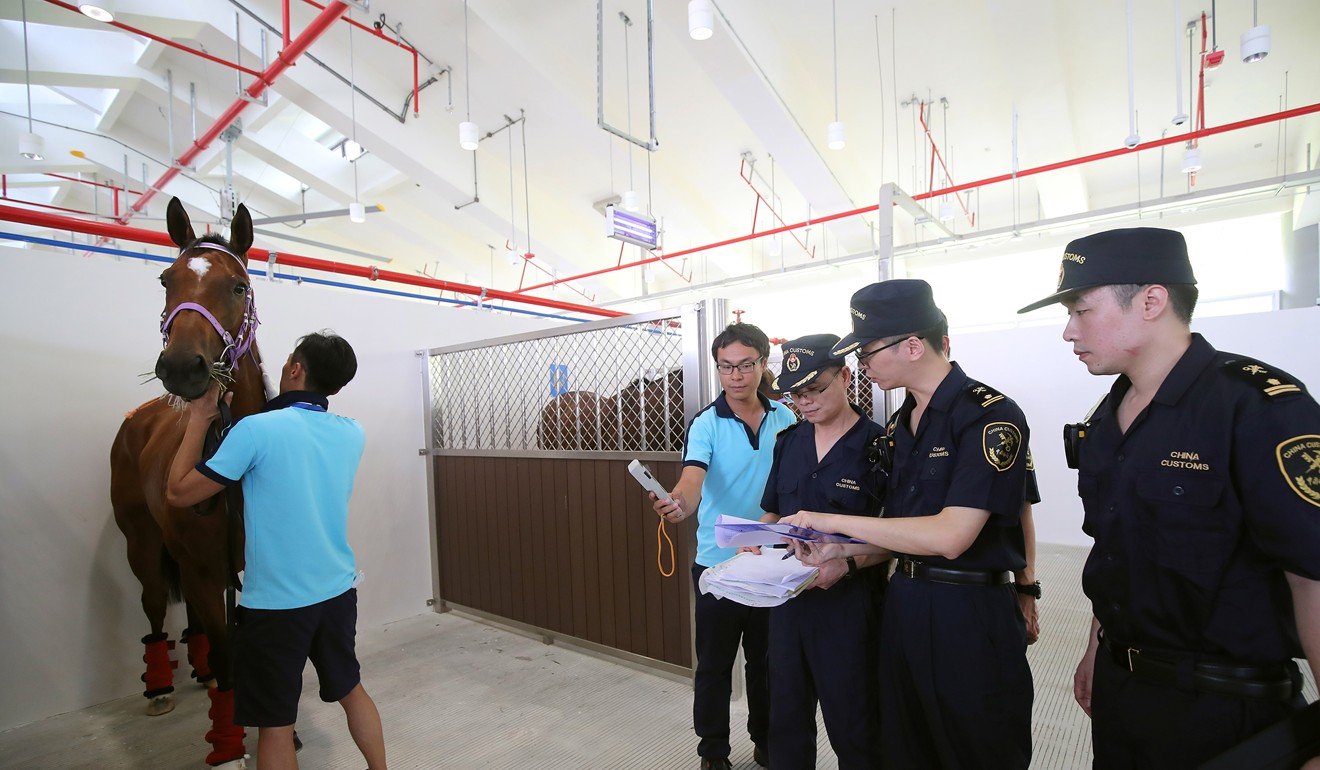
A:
x: 296, y: 462
x: 726, y: 458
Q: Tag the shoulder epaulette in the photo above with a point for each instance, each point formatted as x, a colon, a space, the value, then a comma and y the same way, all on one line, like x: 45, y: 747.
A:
x: 1262, y: 377
x: 983, y: 395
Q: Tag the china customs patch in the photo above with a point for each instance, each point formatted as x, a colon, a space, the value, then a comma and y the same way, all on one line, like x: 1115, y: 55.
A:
x: 1000, y: 442
x: 792, y: 363
x: 1299, y: 461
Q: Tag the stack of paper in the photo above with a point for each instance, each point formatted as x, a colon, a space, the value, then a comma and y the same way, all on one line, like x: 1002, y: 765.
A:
x: 767, y: 580
x: 734, y: 532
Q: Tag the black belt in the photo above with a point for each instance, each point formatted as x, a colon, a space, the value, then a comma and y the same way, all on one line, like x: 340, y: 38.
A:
x: 1277, y: 682
x: 965, y: 577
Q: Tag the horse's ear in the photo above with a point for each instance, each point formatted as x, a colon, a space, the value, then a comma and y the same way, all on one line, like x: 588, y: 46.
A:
x: 240, y: 231
x: 180, y: 227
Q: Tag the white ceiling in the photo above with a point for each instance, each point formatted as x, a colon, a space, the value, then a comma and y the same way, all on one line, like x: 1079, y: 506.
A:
x: 763, y: 85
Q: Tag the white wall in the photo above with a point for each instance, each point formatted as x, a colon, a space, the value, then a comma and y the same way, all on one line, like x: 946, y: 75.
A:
x: 75, y: 332
x: 1036, y: 368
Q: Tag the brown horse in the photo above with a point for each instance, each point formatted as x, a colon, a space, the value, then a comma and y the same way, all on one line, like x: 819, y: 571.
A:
x: 578, y: 420
x: 208, y: 326
x: 651, y: 412
x: 646, y: 414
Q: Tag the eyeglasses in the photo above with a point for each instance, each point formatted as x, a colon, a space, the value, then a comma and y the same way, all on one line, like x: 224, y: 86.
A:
x: 745, y: 367
x: 812, y: 394
x: 863, y: 357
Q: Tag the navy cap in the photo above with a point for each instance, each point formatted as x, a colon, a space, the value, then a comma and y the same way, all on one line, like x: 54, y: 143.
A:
x: 887, y: 309
x: 1140, y: 255
x: 804, y: 359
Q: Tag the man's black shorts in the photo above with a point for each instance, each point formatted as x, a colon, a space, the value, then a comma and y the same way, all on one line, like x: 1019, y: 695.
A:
x: 273, y: 646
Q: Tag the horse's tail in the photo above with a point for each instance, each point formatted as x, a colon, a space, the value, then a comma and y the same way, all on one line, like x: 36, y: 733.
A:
x: 170, y: 569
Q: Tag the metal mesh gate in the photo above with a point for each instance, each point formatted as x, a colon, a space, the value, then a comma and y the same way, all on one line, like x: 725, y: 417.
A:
x: 612, y: 388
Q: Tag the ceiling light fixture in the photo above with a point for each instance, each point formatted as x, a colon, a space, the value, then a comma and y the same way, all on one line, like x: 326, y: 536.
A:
x: 835, y: 135
x: 701, y: 19
x: 1191, y: 160
x: 467, y: 130
x: 30, y: 145
x: 102, y: 10
x: 1255, y: 41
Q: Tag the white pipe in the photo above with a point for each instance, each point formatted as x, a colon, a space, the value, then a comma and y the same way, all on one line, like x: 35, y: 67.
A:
x: 1132, y: 139
x: 1179, y: 117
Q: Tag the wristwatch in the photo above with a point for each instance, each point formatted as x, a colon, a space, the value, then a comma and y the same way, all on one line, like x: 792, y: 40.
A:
x: 852, y: 566
x: 1030, y: 589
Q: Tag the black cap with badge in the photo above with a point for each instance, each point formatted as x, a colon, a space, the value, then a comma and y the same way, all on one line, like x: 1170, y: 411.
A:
x: 804, y: 359
x: 1134, y: 255
x: 887, y: 309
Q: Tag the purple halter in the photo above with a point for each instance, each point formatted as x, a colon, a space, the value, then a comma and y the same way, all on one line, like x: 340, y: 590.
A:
x: 236, y: 346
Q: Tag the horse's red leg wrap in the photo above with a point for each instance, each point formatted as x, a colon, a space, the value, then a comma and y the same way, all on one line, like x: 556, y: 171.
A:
x: 160, y: 669
x: 225, y: 737
x: 199, y: 651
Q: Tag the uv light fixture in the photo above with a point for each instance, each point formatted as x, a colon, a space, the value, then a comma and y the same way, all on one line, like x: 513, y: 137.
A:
x: 633, y: 228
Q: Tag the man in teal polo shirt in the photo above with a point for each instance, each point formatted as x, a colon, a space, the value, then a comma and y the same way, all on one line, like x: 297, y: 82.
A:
x: 296, y: 462
x: 726, y: 459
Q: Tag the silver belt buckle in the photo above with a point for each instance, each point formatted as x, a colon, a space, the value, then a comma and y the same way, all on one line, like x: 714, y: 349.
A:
x: 909, y: 568
x: 1130, y: 652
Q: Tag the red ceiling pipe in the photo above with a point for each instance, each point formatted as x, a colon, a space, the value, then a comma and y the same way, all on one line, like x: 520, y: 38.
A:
x: 935, y: 155
x: 285, y: 16
x: 140, y: 235
x: 283, y: 60
x: 45, y: 206
x: 163, y: 41
x: 1272, y: 117
x: 746, y: 176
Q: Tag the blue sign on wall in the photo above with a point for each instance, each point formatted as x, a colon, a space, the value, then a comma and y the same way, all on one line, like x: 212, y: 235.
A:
x: 558, y: 379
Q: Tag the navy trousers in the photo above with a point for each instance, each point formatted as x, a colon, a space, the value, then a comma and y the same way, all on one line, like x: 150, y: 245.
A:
x: 955, y: 686
x: 823, y: 649
x: 1138, y: 724
x: 721, y: 625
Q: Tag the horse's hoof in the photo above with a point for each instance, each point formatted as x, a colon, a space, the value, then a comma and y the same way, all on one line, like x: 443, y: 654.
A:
x: 161, y: 704
x: 234, y: 764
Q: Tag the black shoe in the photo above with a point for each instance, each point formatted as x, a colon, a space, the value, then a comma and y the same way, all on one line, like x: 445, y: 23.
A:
x: 715, y: 763
x: 761, y: 755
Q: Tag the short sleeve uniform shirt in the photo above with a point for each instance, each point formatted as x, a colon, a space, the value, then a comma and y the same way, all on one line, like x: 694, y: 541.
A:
x: 1199, y: 509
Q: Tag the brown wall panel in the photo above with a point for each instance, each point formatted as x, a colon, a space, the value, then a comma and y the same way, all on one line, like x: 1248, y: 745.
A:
x: 568, y: 545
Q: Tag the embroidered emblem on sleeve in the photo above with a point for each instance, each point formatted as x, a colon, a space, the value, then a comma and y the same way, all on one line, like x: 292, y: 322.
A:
x: 1000, y: 442
x: 1299, y: 461
x: 1031, y: 464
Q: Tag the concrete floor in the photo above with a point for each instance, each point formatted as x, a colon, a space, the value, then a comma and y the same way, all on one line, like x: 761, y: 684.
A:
x: 458, y: 692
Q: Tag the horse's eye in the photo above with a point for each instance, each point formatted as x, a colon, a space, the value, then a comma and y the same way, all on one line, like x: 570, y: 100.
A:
x: 240, y: 289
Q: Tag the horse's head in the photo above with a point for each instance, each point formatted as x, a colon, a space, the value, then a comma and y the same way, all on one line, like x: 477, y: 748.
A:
x: 209, y: 320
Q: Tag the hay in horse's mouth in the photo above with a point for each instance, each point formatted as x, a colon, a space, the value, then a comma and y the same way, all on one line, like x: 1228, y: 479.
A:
x: 219, y: 372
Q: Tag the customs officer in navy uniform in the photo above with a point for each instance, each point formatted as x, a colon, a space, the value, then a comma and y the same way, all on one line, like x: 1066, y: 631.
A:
x: 1200, y: 475
x: 956, y: 691
x: 823, y: 643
